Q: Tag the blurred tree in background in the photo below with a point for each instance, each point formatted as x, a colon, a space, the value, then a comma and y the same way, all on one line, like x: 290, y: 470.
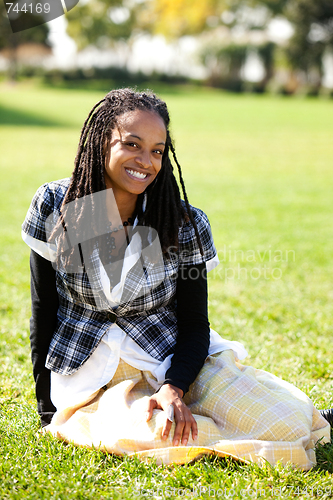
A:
x: 220, y: 54
x: 176, y: 18
x: 11, y: 42
x: 101, y: 22
x: 229, y: 33
x: 312, y: 21
x: 313, y: 36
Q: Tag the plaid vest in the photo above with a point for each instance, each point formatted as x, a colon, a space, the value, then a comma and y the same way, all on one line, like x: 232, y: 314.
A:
x: 148, y: 317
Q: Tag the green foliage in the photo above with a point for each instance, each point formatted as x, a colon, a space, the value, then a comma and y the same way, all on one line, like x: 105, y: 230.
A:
x: 100, y: 23
x: 176, y: 18
x: 104, y: 22
x: 103, y: 78
x: 313, y: 32
x: 225, y: 63
x: 11, y: 41
x: 313, y: 23
x: 260, y: 168
x: 275, y: 6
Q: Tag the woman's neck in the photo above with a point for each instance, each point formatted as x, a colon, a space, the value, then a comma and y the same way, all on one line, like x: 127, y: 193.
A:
x: 126, y: 203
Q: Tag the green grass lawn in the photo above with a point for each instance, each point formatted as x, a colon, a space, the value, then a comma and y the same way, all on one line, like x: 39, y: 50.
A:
x: 261, y: 168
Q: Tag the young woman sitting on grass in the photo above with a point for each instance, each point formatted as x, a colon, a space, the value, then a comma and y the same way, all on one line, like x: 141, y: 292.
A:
x: 123, y: 355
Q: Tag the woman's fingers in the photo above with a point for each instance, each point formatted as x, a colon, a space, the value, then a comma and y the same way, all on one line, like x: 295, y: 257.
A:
x: 185, y: 424
x: 179, y: 432
x: 168, y: 399
x: 152, y: 404
x: 166, y: 429
x: 194, y: 428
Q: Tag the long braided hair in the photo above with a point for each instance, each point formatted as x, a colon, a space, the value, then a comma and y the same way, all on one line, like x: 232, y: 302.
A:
x: 164, y: 210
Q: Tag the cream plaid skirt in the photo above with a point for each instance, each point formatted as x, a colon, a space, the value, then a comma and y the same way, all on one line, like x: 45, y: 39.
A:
x: 241, y: 412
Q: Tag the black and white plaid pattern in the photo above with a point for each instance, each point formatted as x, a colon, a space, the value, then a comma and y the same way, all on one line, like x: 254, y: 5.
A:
x: 48, y: 199
x: 147, y: 313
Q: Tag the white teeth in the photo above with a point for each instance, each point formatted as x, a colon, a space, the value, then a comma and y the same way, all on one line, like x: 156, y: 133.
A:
x: 136, y: 174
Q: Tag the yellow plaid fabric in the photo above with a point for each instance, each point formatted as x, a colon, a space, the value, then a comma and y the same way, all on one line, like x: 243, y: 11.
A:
x: 241, y: 412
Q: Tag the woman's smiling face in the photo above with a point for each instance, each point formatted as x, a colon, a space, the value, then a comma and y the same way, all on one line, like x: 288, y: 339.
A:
x: 134, y: 157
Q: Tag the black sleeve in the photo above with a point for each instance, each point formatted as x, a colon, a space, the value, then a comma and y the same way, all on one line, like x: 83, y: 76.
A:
x: 44, y: 307
x: 193, y: 327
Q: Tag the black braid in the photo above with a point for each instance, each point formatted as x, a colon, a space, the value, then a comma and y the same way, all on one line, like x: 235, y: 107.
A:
x: 164, y: 209
x: 186, y: 198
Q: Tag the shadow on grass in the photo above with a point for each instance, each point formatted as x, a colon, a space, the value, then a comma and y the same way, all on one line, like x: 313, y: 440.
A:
x: 15, y: 117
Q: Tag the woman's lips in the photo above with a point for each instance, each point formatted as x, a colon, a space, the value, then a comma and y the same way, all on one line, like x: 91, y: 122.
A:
x: 136, y: 175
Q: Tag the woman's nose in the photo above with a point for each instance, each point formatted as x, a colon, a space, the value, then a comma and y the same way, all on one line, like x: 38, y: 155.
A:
x: 144, y: 159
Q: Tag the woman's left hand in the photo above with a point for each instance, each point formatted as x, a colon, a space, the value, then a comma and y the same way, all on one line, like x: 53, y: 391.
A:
x: 185, y: 422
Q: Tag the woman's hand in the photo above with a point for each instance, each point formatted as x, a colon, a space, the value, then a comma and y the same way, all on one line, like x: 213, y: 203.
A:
x: 185, y: 422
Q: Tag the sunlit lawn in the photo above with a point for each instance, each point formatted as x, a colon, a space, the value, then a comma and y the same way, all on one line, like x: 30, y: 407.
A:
x: 261, y: 168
